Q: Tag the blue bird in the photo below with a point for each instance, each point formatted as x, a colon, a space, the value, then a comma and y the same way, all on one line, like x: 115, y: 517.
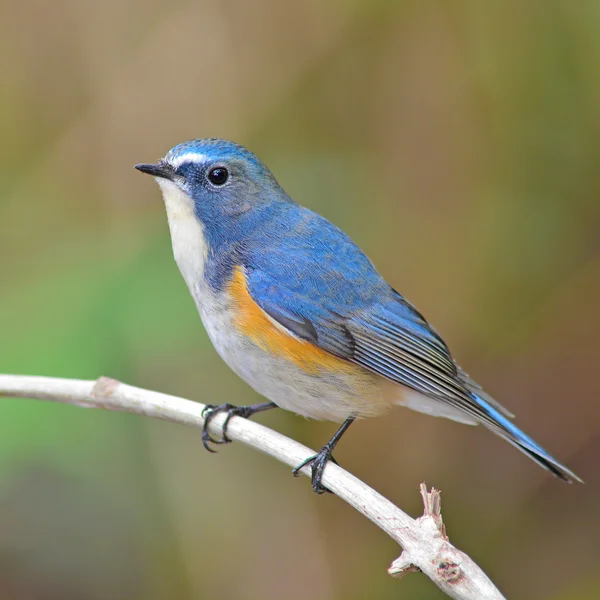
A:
x: 299, y: 312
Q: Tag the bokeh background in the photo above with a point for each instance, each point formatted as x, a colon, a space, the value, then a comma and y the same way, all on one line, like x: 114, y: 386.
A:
x: 456, y: 142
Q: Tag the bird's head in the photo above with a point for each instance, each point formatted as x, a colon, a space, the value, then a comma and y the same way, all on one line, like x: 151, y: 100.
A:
x: 216, y: 193
x: 222, y: 180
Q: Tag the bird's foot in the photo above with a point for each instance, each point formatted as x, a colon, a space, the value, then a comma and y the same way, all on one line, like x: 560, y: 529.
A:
x: 317, y: 464
x: 212, y: 410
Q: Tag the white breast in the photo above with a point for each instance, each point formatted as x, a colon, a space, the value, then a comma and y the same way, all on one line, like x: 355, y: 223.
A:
x: 190, y: 247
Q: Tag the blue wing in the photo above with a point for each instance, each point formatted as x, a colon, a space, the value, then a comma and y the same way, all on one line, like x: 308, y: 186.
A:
x: 320, y: 286
x: 316, y: 282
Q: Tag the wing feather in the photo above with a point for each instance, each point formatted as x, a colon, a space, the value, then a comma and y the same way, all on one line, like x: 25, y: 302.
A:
x: 390, y: 338
x: 400, y: 354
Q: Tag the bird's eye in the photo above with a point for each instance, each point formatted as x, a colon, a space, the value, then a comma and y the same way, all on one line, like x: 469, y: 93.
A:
x: 218, y: 175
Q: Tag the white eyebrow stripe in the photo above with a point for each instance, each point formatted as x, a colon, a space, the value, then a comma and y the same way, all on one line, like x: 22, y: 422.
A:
x: 196, y: 157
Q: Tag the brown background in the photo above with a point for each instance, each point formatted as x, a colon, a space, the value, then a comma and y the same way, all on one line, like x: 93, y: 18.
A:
x: 456, y: 142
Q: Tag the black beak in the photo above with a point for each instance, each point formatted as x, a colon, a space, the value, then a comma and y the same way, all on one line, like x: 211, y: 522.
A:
x: 161, y: 169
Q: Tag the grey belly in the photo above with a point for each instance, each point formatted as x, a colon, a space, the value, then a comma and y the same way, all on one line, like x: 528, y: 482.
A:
x: 324, y: 395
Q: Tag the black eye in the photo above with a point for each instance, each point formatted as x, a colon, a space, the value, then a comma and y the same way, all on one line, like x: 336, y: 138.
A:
x: 218, y: 175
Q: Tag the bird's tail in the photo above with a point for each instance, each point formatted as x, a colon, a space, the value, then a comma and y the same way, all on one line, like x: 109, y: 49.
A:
x: 503, y: 427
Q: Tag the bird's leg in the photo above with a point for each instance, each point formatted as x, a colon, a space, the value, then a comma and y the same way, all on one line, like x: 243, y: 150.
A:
x: 212, y: 410
x: 319, y: 460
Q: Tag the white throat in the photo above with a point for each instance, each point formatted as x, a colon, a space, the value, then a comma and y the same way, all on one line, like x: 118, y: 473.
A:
x: 190, y: 247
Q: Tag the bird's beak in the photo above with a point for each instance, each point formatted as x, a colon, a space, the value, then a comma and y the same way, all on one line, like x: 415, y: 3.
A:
x: 160, y: 169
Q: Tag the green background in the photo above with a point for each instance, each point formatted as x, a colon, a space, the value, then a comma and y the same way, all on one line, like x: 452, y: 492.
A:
x: 456, y: 142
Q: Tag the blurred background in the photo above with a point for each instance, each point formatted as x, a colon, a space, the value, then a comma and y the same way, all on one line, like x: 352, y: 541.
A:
x: 457, y: 143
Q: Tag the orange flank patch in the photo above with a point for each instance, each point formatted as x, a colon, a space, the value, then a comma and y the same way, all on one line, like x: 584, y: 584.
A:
x: 252, y: 320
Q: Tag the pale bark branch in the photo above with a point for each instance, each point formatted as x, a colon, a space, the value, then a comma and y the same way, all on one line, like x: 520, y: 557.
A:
x: 425, y: 545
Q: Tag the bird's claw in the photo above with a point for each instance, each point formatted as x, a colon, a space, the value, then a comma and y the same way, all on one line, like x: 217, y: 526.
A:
x: 210, y: 411
x: 317, y: 464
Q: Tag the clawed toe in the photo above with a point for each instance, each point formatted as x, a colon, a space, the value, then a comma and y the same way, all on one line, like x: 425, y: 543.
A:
x: 317, y: 464
x: 209, y: 413
x: 212, y: 410
x: 318, y: 461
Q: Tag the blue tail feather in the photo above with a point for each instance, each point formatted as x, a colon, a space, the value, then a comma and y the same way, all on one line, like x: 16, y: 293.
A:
x: 511, y: 433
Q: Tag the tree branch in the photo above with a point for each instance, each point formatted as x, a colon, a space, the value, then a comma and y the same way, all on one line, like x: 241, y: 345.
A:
x: 425, y: 545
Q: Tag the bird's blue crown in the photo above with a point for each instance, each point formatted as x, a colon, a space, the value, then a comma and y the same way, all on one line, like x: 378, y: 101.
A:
x: 208, y: 150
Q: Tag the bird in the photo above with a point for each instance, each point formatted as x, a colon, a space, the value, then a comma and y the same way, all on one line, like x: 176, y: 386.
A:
x: 299, y: 312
